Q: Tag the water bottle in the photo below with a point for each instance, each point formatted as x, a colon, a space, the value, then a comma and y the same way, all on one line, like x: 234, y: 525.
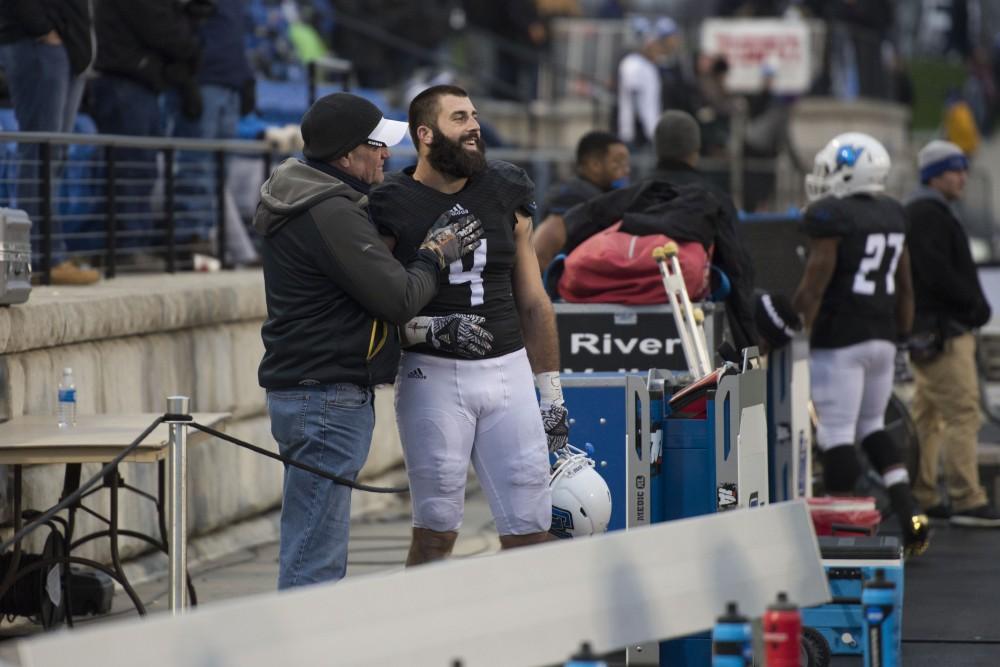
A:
x: 782, y: 633
x: 585, y: 658
x: 732, y: 639
x: 881, y: 640
x: 67, y: 400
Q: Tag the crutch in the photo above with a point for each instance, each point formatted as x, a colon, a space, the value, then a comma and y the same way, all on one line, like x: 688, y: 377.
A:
x: 687, y: 318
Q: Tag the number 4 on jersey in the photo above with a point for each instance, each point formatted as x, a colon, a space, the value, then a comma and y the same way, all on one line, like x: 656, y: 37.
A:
x: 474, y: 276
x: 875, y: 246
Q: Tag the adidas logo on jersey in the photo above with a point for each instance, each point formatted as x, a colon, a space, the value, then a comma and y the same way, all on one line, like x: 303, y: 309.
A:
x: 416, y: 374
x: 457, y: 210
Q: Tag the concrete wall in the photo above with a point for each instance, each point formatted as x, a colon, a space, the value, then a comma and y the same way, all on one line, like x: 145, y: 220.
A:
x: 131, y: 342
x: 558, y: 124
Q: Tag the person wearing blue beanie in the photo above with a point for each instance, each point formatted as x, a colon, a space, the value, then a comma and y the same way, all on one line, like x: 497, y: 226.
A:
x: 939, y: 157
x: 949, y: 307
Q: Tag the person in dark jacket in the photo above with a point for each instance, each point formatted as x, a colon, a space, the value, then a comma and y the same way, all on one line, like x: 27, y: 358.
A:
x: 678, y: 141
x: 144, y: 48
x: 949, y: 305
x: 226, y: 88
x: 602, y: 164
x: 334, y: 297
x: 44, y: 49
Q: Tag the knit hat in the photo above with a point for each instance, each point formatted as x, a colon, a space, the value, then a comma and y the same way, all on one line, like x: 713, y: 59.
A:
x: 336, y: 124
x: 776, y: 320
x: 677, y: 135
x: 652, y: 29
x: 938, y: 157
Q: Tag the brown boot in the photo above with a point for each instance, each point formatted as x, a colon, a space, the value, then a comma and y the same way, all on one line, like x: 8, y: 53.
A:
x: 68, y: 273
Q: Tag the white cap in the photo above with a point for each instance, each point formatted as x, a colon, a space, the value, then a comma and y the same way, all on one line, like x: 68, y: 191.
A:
x: 389, y: 132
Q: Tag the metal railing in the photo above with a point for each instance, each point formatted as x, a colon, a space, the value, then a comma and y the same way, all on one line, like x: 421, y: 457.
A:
x: 121, y: 195
x: 147, y: 204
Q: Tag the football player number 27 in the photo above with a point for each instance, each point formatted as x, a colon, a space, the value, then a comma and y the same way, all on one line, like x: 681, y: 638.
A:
x: 876, y: 246
x: 474, y: 276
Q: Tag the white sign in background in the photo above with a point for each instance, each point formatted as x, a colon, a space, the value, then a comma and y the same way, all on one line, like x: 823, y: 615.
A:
x: 750, y: 45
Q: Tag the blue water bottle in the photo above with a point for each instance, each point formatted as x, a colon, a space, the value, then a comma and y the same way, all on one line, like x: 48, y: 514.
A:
x: 585, y: 658
x: 878, y: 599
x: 732, y: 639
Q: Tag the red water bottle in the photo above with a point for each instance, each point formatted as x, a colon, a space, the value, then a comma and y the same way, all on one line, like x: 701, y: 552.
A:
x: 782, y: 633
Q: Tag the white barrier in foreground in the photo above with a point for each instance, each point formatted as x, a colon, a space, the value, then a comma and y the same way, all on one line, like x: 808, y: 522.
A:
x: 520, y: 608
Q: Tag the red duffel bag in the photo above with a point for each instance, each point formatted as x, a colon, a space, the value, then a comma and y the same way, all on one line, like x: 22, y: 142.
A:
x: 615, y: 267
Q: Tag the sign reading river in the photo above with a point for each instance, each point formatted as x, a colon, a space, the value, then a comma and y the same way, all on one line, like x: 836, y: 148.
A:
x: 606, y: 337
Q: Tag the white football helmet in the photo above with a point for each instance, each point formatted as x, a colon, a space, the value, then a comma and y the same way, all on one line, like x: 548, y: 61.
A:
x: 581, y: 500
x: 851, y: 163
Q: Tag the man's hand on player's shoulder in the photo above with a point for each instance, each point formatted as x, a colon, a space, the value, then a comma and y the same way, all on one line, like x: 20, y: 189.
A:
x: 453, y: 235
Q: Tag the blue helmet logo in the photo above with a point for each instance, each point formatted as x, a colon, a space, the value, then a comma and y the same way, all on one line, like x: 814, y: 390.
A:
x: 848, y: 156
x: 562, y: 523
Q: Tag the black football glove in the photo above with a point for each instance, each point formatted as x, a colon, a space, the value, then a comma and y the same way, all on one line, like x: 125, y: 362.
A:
x: 460, y: 334
x: 453, y: 236
x: 555, y: 419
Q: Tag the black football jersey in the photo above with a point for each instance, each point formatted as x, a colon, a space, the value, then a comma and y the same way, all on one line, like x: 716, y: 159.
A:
x: 859, y: 303
x: 480, y: 282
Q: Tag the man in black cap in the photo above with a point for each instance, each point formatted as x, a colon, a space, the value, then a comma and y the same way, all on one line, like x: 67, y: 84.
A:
x: 334, y: 296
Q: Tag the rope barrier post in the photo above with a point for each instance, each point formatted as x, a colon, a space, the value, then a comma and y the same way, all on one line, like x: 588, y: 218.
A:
x: 177, y: 504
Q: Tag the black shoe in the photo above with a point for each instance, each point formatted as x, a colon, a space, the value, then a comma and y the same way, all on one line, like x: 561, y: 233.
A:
x: 939, y: 511
x: 983, y: 516
x: 916, y: 535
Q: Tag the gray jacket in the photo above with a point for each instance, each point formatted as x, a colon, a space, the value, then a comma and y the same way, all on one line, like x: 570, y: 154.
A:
x: 334, y: 291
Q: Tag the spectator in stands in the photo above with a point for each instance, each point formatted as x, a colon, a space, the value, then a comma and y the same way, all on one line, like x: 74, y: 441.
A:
x: 717, y: 105
x: 334, y: 295
x: 950, y: 306
x: 640, y: 88
x: 602, y: 163
x: 226, y: 86
x: 856, y: 32
x: 763, y: 137
x: 959, y: 124
x: 44, y: 49
x: 677, y: 143
x: 752, y: 8
x: 521, y: 39
x: 980, y: 90
x: 144, y: 48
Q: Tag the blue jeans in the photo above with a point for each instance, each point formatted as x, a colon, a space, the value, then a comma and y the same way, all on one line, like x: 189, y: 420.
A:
x: 45, y: 96
x: 122, y: 106
x: 329, y: 427
x: 196, y: 198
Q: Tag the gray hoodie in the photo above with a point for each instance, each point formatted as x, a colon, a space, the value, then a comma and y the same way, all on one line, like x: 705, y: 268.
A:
x: 334, y: 291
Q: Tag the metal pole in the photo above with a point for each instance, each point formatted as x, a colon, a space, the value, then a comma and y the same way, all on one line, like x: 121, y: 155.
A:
x: 111, y: 186
x: 168, y: 210
x: 737, y: 134
x: 177, y: 504
x: 220, y: 203
x: 47, y: 213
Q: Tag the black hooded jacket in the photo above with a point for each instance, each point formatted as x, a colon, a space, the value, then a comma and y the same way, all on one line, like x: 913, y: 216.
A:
x: 152, y: 42
x: 334, y: 291
x: 702, y: 213
x: 948, y: 297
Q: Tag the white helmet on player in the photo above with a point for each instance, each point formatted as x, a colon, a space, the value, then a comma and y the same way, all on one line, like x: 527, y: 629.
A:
x: 851, y: 163
x: 581, y: 500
